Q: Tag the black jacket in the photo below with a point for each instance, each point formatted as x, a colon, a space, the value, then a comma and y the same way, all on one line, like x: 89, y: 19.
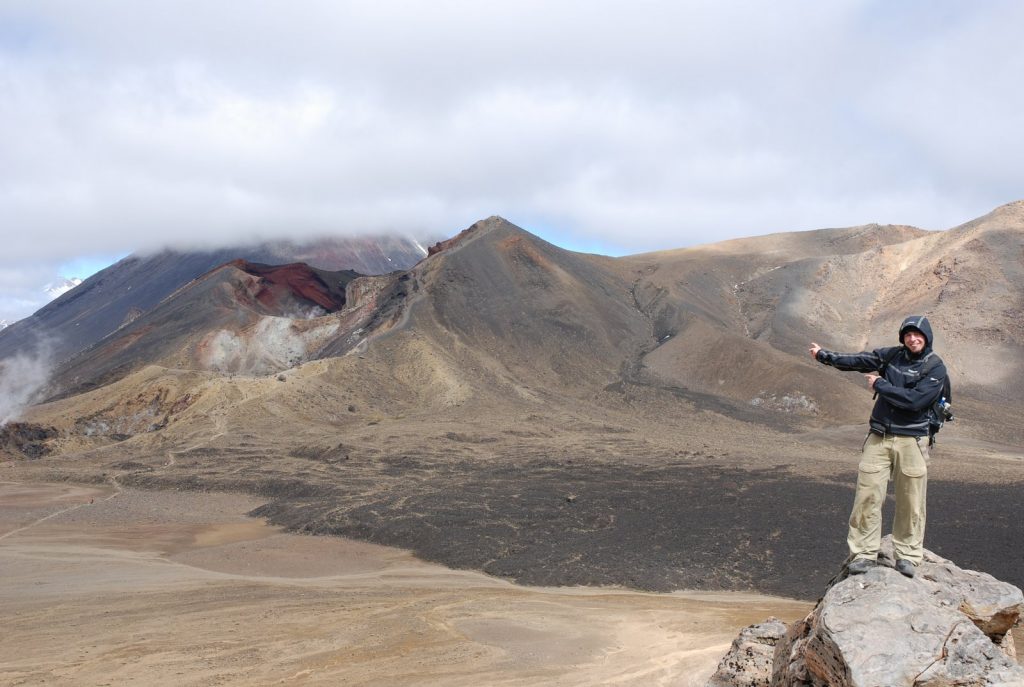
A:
x: 905, y: 396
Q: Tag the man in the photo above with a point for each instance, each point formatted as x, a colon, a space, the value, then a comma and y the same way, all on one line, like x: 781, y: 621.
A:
x: 907, y: 380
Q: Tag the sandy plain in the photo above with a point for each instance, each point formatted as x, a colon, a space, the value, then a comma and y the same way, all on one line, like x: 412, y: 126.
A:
x: 109, y: 586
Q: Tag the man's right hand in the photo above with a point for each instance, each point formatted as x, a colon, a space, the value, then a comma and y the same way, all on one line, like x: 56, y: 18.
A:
x: 813, y: 350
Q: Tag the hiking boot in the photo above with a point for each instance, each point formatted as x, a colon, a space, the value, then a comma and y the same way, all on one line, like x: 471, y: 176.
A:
x: 905, y: 567
x: 859, y: 566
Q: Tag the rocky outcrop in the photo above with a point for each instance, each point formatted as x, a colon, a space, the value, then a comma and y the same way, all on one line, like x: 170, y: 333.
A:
x: 25, y: 440
x: 749, y: 661
x: 946, y: 626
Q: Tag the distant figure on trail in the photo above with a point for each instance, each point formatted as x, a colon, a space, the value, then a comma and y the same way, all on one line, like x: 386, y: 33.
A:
x: 907, y: 380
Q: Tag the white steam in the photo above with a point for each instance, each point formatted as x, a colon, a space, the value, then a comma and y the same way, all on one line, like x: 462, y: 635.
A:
x: 274, y: 344
x: 23, y: 378
x: 309, y: 313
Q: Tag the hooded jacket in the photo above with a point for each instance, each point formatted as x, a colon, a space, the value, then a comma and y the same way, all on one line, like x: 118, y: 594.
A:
x: 905, y: 395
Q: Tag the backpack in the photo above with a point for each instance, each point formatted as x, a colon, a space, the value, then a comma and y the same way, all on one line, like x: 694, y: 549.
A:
x: 941, y: 411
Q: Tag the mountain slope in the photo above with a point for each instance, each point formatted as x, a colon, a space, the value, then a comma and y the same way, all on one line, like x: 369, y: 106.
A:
x: 735, y: 319
x: 540, y: 311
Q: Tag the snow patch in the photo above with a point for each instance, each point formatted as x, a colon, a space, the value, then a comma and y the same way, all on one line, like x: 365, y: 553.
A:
x: 55, y: 289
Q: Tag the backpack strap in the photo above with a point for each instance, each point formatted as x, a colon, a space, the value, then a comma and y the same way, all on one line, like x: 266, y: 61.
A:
x: 931, y: 362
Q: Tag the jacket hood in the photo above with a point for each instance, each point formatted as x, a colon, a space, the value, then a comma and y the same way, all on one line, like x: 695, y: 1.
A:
x: 920, y: 323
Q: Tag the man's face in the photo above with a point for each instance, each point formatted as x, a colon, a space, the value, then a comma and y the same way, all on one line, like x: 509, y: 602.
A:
x: 914, y: 340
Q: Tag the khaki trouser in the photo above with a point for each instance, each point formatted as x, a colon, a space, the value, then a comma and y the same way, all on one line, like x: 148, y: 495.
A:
x: 905, y: 459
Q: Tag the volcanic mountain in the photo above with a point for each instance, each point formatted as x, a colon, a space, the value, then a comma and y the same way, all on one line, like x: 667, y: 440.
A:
x: 229, y: 320
x: 120, y: 293
x: 565, y: 418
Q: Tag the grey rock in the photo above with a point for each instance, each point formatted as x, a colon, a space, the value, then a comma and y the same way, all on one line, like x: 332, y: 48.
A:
x: 945, y: 627
x: 992, y: 605
x: 1008, y: 646
x: 883, y: 629
x: 749, y: 661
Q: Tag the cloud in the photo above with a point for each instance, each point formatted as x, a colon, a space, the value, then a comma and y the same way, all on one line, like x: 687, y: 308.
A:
x: 129, y: 126
x: 22, y: 287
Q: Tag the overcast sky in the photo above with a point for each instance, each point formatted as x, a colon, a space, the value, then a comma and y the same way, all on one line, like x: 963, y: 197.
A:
x: 610, y: 127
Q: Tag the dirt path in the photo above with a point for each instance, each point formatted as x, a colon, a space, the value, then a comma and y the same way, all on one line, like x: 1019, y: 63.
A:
x: 164, y: 588
x: 24, y: 500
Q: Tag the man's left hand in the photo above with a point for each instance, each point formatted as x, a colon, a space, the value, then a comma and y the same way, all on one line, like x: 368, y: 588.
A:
x: 872, y: 378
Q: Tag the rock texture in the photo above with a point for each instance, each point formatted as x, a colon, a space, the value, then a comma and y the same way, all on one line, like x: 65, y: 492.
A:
x: 946, y: 626
x: 749, y: 661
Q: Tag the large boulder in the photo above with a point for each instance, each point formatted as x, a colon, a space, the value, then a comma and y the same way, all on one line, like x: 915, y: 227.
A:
x: 945, y: 627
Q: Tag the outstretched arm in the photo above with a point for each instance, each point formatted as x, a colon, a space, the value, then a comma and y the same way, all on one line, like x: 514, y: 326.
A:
x: 865, y: 361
